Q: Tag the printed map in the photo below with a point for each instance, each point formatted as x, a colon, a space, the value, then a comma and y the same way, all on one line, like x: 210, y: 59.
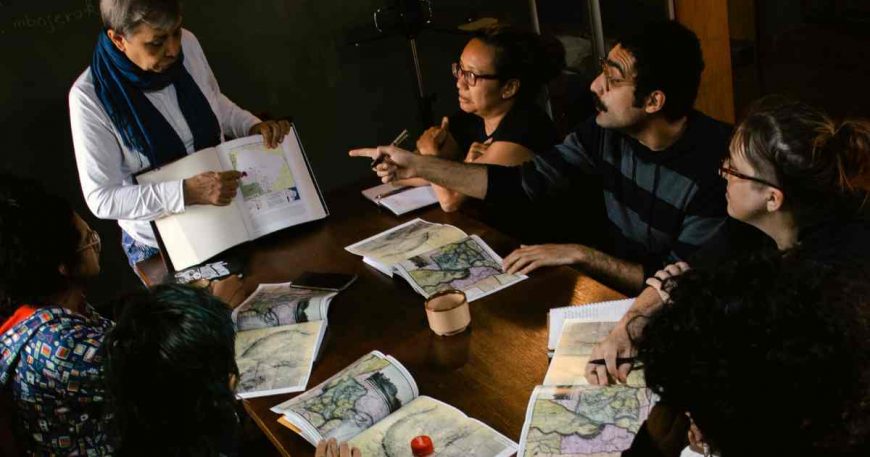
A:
x: 584, y: 421
x: 579, y: 337
x: 265, y: 363
x: 405, y: 241
x: 280, y: 304
x: 466, y: 265
x: 354, y: 399
x: 454, y: 434
x: 269, y: 182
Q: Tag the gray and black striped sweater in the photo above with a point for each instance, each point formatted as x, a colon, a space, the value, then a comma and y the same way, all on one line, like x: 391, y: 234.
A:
x: 660, y: 205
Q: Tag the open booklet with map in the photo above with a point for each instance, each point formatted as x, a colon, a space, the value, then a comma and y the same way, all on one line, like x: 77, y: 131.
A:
x: 279, y: 329
x: 435, y: 257
x: 277, y: 190
x: 374, y: 404
x: 569, y: 417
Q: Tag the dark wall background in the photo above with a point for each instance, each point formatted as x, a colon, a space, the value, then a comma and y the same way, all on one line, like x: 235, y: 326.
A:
x: 272, y: 57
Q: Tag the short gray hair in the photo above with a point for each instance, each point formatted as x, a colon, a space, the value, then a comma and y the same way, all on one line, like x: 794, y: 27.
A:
x: 123, y: 16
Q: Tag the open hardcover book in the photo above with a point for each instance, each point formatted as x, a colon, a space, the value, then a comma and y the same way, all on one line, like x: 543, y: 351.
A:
x: 279, y: 331
x: 374, y: 404
x: 568, y: 417
x: 401, y: 200
x: 278, y: 191
x: 436, y: 257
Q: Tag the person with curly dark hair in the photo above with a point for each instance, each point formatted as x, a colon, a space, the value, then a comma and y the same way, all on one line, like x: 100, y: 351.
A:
x: 170, y: 374
x: 652, y: 157
x: 50, y: 337
x: 767, y: 356
x: 795, y: 177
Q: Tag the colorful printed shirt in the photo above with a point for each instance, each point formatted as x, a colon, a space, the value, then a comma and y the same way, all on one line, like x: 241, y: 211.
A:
x: 51, y: 364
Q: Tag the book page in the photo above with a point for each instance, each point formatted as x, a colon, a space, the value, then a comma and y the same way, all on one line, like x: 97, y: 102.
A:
x: 281, y: 304
x: 453, y: 433
x: 201, y: 231
x: 405, y: 241
x: 409, y: 200
x: 579, y: 337
x: 277, y: 360
x: 606, y: 311
x: 598, y: 421
x: 352, y: 400
x: 468, y: 265
x: 278, y: 190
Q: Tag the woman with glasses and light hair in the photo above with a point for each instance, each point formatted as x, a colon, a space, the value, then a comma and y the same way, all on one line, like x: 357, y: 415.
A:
x: 799, y: 178
x: 499, y: 74
x: 150, y: 97
x: 51, y: 339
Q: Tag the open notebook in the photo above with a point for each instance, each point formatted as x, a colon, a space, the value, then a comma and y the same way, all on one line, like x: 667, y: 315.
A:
x: 401, y: 200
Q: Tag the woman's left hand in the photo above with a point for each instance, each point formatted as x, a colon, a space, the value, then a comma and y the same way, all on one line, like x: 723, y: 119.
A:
x: 273, y: 132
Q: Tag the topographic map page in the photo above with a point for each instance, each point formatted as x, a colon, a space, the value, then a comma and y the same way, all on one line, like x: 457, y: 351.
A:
x: 453, y: 433
x: 281, y: 304
x: 583, y: 421
x: 404, y: 241
x: 579, y: 336
x: 352, y: 400
x: 277, y: 360
x: 268, y: 183
x: 468, y: 265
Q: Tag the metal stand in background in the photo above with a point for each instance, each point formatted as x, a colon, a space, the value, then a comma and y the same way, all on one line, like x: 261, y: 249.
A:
x: 409, y: 18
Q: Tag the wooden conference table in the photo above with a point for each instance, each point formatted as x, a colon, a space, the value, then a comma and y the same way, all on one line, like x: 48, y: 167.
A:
x: 488, y: 371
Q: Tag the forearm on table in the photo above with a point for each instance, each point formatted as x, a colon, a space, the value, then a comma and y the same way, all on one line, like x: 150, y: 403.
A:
x: 623, y: 274
x: 411, y: 182
x: 647, y: 303
x: 448, y: 199
x: 468, y: 179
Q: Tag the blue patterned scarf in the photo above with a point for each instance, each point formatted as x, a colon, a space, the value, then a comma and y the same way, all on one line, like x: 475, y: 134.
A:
x: 120, y: 83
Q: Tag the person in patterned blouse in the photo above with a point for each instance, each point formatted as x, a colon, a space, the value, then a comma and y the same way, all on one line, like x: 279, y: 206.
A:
x: 50, y: 337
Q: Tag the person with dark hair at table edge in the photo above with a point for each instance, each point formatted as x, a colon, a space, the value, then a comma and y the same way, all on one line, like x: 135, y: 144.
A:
x: 149, y: 97
x: 51, y: 339
x: 767, y: 356
x: 655, y: 157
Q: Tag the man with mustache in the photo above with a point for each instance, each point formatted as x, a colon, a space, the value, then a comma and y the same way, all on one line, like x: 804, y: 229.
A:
x: 656, y: 158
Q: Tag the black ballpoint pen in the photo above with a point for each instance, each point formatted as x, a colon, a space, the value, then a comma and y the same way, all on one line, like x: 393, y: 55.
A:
x: 399, y: 139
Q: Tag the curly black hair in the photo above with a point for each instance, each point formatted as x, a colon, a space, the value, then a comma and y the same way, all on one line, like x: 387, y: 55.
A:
x: 668, y: 58
x: 769, y: 356
x: 37, y: 235
x: 168, y: 363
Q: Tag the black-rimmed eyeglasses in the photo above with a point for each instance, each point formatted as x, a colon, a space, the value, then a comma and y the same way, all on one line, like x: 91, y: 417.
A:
x: 725, y: 170
x: 469, y: 77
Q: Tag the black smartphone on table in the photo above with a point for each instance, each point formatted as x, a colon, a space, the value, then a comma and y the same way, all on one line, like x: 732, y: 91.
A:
x: 326, y: 281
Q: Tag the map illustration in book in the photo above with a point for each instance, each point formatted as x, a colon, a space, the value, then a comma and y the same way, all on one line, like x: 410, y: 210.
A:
x: 599, y: 421
x: 435, y: 257
x: 467, y: 265
x: 279, y: 331
x: 405, y: 241
x: 276, y: 359
x: 281, y: 304
x: 374, y: 403
x: 277, y: 191
x: 579, y: 337
x: 268, y: 183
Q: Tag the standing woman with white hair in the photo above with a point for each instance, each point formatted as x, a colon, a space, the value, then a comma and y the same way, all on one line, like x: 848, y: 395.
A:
x: 149, y: 97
